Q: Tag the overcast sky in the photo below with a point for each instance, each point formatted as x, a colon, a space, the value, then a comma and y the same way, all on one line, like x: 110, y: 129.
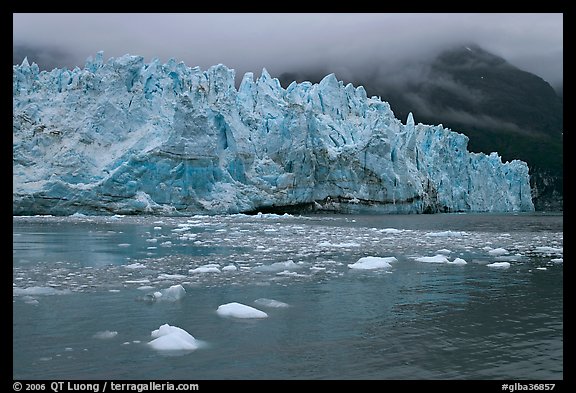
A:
x: 283, y: 42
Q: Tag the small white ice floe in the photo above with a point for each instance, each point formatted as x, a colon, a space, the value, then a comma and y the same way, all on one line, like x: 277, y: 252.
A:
x: 238, y: 310
x: 499, y: 265
x: 229, y: 268
x: 444, y: 251
x: 446, y: 234
x: 541, y: 268
x: 549, y: 250
x: 164, y: 276
x: 209, y: 268
x: 372, y: 263
x: 458, y: 261
x: 277, y: 266
x: 38, y: 291
x: 557, y: 260
x: 498, y: 251
x: 339, y: 245
x: 271, y: 303
x: 136, y: 265
x: 171, y: 294
x: 106, y: 334
x: 438, y: 258
x: 390, y: 230
x: 173, y: 338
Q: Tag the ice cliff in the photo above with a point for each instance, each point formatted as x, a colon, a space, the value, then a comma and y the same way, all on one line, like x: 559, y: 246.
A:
x: 127, y: 137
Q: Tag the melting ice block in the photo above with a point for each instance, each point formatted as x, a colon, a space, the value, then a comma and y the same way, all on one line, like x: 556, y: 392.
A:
x: 238, y: 310
x: 172, y: 338
x: 264, y: 302
x: 499, y: 265
x: 438, y: 258
x: 371, y: 263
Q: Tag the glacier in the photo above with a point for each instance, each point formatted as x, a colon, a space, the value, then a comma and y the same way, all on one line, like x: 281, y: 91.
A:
x: 129, y: 137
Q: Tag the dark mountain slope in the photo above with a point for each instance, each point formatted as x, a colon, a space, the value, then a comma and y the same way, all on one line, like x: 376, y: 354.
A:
x: 498, y: 106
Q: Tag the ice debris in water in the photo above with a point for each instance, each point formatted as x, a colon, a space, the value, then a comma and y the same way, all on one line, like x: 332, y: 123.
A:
x: 270, y: 303
x: 277, y: 266
x: 447, y: 234
x: 438, y: 258
x: 171, y: 294
x: 547, y: 250
x: 499, y: 265
x: 173, y: 338
x: 136, y: 265
x: 238, y: 310
x: 106, y: 334
x: 458, y: 261
x: 498, y: 251
x: 38, y: 291
x: 371, y: 263
x: 208, y: 268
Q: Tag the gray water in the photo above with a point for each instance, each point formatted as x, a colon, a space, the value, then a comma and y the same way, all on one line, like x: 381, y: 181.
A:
x: 76, y: 277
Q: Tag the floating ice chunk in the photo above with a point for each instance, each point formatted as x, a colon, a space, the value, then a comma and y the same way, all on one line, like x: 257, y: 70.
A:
x: 499, y: 265
x: 277, y: 266
x: 238, y: 310
x: 444, y: 251
x: 498, y: 251
x: 541, y: 268
x: 557, y: 260
x: 209, y: 268
x: 229, y: 268
x: 371, y: 263
x: 157, y: 228
x: 339, y: 245
x: 164, y: 276
x: 136, y: 265
x: 512, y: 258
x: 287, y: 273
x: 141, y: 281
x: 458, y: 261
x: 390, y: 230
x: 145, y: 287
x: 173, y: 293
x: 124, y: 245
x: 172, y: 338
x: 30, y: 300
x: 438, y: 258
x: 106, y: 334
x: 446, y: 234
x: 271, y: 303
x: 549, y: 250
x: 38, y: 291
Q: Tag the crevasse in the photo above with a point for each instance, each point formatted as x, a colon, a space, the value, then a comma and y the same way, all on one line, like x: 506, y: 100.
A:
x: 127, y: 137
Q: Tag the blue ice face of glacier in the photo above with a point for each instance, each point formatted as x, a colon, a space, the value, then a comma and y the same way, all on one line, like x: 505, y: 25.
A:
x: 127, y: 137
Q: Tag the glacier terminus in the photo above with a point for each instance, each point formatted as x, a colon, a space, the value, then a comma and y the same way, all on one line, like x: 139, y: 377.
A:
x: 129, y: 137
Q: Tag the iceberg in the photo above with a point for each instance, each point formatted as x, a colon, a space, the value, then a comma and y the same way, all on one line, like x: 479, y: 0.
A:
x: 129, y: 137
x: 438, y: 258
x: 272, y: 303
x: 372, y: 263
x: 239, y: 310
x: 172, y: 338
x: 499, y: 265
